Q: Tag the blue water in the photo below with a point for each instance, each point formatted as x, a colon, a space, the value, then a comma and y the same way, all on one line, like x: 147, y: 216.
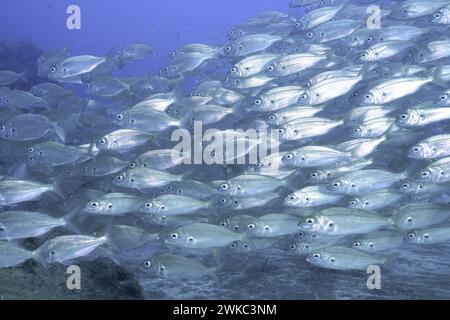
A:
x: 164, y: 24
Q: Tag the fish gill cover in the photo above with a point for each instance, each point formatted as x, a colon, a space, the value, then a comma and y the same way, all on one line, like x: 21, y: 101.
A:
x: 306, y: 157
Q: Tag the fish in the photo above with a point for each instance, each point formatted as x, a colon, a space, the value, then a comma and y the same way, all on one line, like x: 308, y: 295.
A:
x: 420, y: 215
x: 145, y: 178
x: 136, y: 52
x: 437, y: 172
x: 8, y: 77
x: 430, y: 235
x: 272, y: 225
x: 29, y: 127
x: 379, y: 241
x: 51, y: 154
x: 114, y: 204
x: 74, y: 66
x: 173, y: 205
x: 16, y: 224
x: 434, y: 147
x: 343, y: 221
x: 64, y: 249
x: 315, y: 156
x: 15, y: 191
x: 364, y: 181
x: 176, y: 267
x: 312, y: 196
x: 12, y: 255
x: 202, y: 236
x: 375, y: 200
x: 342, y: 258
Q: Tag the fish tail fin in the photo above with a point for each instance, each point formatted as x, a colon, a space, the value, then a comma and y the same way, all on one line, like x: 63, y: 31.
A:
x: 23, y: 76
x: 437, y: 76
x: 62, y: 186
x: 291, y: 181
x: 60, y: 133
x: 70, y: 223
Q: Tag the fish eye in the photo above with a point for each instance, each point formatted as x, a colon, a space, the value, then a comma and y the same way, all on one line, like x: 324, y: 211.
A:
x: 352, y: 185
x: 53, y: 70
x: 162, y: 268
x: 369, y: 39
x: 316, y: 255
x: 332, y: 259
x: 120, y: 178
x: 2, y: 228
x: 310, y: 221
x: 304, y: 96
x: 259, y: 165
x: 437, y: 15
x: 31, y: 149
x: 228, y: 48
x: 251, y: 226
x: 292, y: 246
x: 292, y: 197
x: 120, y: 116
x: 52, y: 252
x: 190, y: 238
x: 411, y: 235
x: 336, y: 184
x: 94, y: 204
x: 110, y: 206
x: 314, y: 174
x: 356, y: 244
x: 233, y: 245
x: 364, y: 55
x: 102, y: 141
x: 270, y: 68
x: 2, y: 128
x: 405, y: 185
x: 352, y: 203
x: 424, y: 174
x: 224, y: 186
x: 280, y: 131
x: 223, y: 200
x: 309, y: 34
x: 148, y: 204
x: 426, y: 235
x: 132, y: 165
x: 443, y: 97
x: 174, y: 235
x: 289, y: 156
x: 409, y: 219
x: 298, y: 25
x: 258, y: 102
x: 404, y: 116
x: 420, y: 186
x: 233, y: 70
x: 148, y: 263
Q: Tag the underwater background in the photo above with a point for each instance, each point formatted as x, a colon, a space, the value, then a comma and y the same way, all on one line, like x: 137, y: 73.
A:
x: 30, y: 28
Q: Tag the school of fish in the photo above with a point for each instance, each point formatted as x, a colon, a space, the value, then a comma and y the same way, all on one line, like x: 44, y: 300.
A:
x: 361, y: 113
